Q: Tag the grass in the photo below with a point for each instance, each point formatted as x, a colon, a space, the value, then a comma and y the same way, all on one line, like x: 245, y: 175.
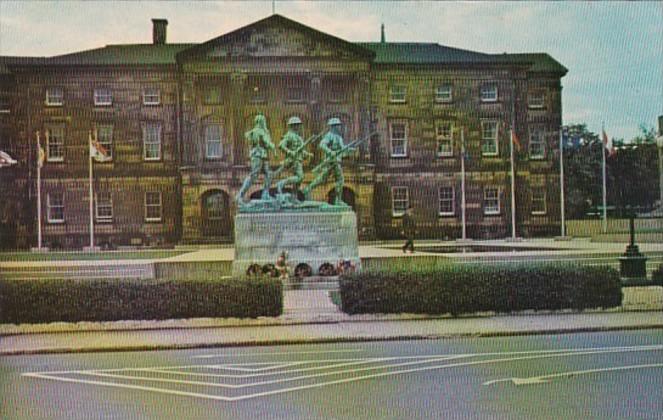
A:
x: 80, y: 256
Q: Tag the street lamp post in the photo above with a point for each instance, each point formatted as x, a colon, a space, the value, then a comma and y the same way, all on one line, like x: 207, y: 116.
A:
x: 659, y: 144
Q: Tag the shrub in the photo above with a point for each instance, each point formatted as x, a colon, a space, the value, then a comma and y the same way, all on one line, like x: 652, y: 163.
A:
x: 459, y: 289
x: 50, y: 300
x: 657, y: 276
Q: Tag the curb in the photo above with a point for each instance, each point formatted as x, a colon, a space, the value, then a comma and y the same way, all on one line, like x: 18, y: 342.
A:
x: 265, y: 343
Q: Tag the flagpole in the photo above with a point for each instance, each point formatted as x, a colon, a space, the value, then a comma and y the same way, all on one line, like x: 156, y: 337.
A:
x: 91, y: 204
x: 38, y: 192
x: 561, y: 181
x: 462, y: 182
x: 605, y: 200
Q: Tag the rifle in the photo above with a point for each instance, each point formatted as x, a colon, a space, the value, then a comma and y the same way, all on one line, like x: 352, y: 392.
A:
x: 345, y: 148
x: 299, y: 149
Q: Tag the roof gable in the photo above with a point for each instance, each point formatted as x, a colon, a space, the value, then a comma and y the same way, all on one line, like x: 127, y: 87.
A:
x: 276, y: 36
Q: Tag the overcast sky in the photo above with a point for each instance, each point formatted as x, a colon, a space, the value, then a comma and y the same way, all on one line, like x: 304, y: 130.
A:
x: 613, y: 50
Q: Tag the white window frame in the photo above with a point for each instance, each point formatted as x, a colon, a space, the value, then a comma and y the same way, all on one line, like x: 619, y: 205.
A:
x: 404, y: 139
x: 149, y: 95
x: 103, y: 204
x: 149, y: 218
x: 54, y: 96
x: 50, y: 206
x: 149, y: 141
x: 103, y: 97
x: 451, y: 199
x: 52, y: 146
x: 404, y: 202
x: 491, y: 211
x: 444, y: 137
x: 5, y: 103
x: 542, y: 199
x: 106, y: 142
x: 536, y: 99
x: 209, y: 140
x: 537, y: 137
x: 398, y: 93
x: 444, y: 93
x: 489, y: 92
x: 495, y: 139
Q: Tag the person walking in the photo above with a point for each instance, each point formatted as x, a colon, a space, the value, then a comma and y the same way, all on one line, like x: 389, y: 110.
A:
x: 409, y: 230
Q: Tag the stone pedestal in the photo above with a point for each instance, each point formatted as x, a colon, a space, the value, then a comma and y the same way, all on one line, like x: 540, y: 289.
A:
x: 310, y: 237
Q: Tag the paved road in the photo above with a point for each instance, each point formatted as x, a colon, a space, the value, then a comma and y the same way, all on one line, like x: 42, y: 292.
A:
x: 598, y: 375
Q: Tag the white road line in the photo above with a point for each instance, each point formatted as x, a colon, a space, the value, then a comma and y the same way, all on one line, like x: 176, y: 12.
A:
x: 209, y: 356
x: 354, y: 379
x: 533, y: 380
x: 262, y: 369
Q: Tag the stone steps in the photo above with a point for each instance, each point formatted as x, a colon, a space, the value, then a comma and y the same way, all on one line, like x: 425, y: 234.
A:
x: 313, y: 283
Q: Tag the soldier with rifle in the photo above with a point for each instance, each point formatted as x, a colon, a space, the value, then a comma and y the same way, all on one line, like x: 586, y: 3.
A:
x: 261, y: 144
x: 295, y: 151
x: 334, y: 150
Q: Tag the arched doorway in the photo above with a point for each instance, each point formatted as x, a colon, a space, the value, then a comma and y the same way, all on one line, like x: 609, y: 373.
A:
x: 215, y: 213
x: 348, y: 196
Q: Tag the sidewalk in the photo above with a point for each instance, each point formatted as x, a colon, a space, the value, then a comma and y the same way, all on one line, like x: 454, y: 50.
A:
x: 309, y: 317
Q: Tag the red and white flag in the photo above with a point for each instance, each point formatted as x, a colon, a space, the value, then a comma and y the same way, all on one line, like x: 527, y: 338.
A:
x: 98, y: 152
x: 607, y: 143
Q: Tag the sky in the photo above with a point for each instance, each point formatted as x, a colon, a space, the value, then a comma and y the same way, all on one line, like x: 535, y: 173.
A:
x: 613, y: 50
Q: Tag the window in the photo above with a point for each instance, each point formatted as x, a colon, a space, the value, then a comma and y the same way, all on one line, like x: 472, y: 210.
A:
x: 336, y: 91
x: 538, y: 200
x: 55, y: 143
x: 489, y: 92
x: 397, y: 94
x: 55, y: 207
x: 212, y: 95
x: 213, y: 141
x: 104, y: 206
x: 489, y: 138
x: 295, y: 91
x: 446, y: 199
x: 151, y: 96
x: 491, y: 200
x: 153, y: 206
x: 152, y: 141
x: 443, y: 93
x: 444, y: 137
x: 54, y: 96
x: 400, y: 201
x: 103, y: 97
x: 536, y: 99
x: 105, y: 137
x: 5, y: 103
x: 537, y: 144
x: 398, y: 136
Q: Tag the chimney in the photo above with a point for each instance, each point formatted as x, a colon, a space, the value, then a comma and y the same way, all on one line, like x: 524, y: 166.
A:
x: 382, y: 38
x: 159, y: 31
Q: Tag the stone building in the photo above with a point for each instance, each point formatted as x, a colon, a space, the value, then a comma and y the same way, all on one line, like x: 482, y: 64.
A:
x: 174, y: 116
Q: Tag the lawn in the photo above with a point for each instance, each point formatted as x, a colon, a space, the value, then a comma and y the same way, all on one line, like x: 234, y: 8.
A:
x: 79, y: 255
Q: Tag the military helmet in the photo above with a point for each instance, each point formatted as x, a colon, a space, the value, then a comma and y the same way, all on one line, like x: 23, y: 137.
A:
x: 334, y: 121
x: 294, y: 120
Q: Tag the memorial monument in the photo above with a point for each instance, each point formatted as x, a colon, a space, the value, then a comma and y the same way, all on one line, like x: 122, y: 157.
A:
x: 314, y: 234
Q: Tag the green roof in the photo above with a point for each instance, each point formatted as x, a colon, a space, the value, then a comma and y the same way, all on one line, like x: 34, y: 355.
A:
x: 6, y: 61
x: 541, y: 62
x: 421, y: 53
x: 128, y: 54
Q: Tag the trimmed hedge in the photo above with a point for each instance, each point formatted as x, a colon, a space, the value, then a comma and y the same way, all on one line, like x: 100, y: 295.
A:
x: 458, y: 289
x: 51, y: 300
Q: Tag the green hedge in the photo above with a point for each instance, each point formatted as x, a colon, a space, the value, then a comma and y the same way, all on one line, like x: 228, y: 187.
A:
x: 50, y: 300
x: 458, y: 289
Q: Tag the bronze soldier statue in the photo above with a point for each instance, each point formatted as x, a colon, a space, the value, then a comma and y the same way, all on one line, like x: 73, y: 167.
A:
x: 261, y: 144
x: 294, y: 148
x: 334, y: 149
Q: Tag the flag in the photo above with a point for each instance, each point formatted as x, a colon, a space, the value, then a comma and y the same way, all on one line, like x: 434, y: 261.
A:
x: 41, y: 156
x: 607, y: 143
x: 6, y: 160
x: 98, y: 152
x: 515, y: 140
